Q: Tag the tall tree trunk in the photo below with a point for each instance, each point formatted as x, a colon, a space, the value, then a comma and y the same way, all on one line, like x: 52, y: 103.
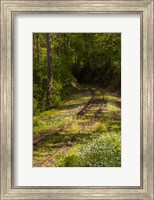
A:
x: 67, y: 47
x: 50, y: 72
x: 87, y: 55
x: 59, y: 44
x: 34, y: 47
x: 38, y: 48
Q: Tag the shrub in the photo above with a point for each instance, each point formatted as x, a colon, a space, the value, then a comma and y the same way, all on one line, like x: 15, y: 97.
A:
x: 102, y: 152
x: 99, y: 151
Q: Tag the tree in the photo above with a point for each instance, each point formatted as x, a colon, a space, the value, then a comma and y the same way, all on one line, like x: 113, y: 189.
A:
x: 38, y: 48
x: 49, y: 71
x: 91, y: 58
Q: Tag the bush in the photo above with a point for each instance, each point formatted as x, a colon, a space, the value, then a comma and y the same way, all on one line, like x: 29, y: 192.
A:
x: 101, y: 151
x: 35, y: 105
x: 56, y: 100
x: 66, y: 92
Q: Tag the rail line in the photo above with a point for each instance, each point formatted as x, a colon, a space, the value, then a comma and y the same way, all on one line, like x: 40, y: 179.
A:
x: 42, y: 139
x: 69, y: 143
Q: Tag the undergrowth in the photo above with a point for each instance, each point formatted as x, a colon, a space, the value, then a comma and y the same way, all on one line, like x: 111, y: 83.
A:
x: 100, y: 150
x: 98, y: 146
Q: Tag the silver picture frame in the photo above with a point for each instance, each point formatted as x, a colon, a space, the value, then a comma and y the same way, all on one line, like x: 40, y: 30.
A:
x: 8, y: 10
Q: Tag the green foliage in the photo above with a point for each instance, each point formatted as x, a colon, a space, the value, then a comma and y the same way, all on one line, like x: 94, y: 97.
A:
x: 103, y: 152
x: 49, y: 120
x: 98, y: 151
x: 76, y: 57
x: 35, y: 106
x: 66, y: 92
x: 56, y: 97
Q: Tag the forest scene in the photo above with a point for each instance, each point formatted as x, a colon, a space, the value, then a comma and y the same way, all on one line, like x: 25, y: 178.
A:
x: 76, y: 99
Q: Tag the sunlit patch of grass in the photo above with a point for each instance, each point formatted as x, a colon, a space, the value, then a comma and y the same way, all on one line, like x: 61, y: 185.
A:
x: 85, y: 98
x: 39, y: 158
x: 98, y: 151
x: 46, y: 114
x: 113, y: 107
x: 36, y: 153
x: 111, y: 97
x: 74, y: 128
x: 81, y: 120
x: 50, y: 120
x: 98, y: 93
x: 44, y: 154
x: 100, y: 127
x: 116, y: 127
x: 88, y: 115
x: 78, y: 97
x: 47, y: 126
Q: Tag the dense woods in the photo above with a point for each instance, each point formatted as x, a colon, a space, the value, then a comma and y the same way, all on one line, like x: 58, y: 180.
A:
x: 77, y: 99
x: 61, y: 60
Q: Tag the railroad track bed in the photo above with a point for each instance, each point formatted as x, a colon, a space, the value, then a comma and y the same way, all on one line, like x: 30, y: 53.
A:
x: 78, y: 127
x: 79, y: 110
x: 100, y: 112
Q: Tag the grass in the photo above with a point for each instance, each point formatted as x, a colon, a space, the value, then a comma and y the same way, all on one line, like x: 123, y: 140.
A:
x: 99, y: 145
x: 100, y: 150
x: 48, y: 121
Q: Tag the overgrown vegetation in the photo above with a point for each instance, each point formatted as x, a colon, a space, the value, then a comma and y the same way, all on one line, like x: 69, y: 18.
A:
x: 99, y: 150
x: 72, y: 74
x: 84, y: 57
x: 98, y: 145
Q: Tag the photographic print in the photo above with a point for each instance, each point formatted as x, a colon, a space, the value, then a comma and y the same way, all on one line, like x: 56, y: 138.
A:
x: 76, y: 99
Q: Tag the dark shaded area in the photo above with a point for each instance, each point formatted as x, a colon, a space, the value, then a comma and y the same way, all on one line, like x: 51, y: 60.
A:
x: 66, y: 60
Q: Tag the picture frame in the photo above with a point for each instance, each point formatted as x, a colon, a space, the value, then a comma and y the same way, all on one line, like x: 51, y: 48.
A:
x: 8, y: 11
